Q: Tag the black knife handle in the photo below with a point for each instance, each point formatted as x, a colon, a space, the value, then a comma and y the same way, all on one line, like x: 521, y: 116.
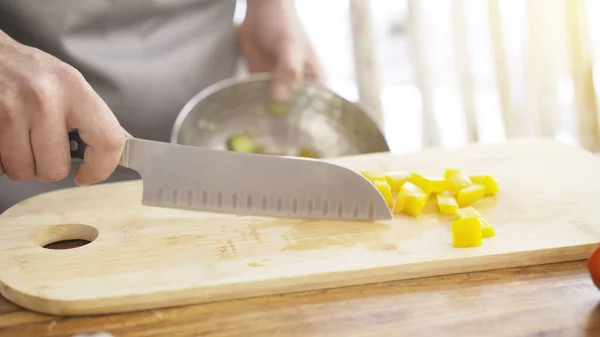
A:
x: 77, y: 145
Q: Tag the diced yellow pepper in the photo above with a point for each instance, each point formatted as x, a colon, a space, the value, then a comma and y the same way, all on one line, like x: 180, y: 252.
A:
x: 430, y: 184
x: 411, y: 200
x: 384, y: 188
x: 373, y: 174
x: 486, y: 228
x: 451, y: 172
x: 397, y: 178
x: 457, y: 180
x: 411, y: 188
x: 491, y: 186
x: 400, y: 201
x: 446, y: 203
x: 470, y: 195
x: 411, y: 204
x: 466, y: 232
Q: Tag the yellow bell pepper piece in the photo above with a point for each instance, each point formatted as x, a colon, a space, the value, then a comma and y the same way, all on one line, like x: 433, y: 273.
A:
x: 373, y: 174
x: 411, y: 200
x: 466, y: 232
x: 386, y: 191
x: 457, y: 180
x: 430, y: 184
x: 400, y: 201
x: 446, y: 203
x: 491, y: 185
x: 486, y: 228
x: 470, y: 195
x: 397, y: 178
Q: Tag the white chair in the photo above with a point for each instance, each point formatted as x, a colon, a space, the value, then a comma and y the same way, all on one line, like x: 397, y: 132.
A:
x: 557, y: 54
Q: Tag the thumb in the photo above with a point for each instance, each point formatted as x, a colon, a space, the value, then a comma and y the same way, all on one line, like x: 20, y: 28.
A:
x: 287, y: 73
x: 99, y: 128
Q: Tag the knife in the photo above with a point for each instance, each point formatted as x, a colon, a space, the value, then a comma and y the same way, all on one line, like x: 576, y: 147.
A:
x: 218, y: 181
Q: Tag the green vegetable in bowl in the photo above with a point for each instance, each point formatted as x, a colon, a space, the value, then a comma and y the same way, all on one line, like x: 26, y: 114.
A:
x: 241, y: 143
x: 278, y: 109
x: 308, y: 152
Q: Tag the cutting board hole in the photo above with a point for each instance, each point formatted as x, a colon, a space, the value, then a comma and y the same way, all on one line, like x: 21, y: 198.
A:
x: 66, y: 236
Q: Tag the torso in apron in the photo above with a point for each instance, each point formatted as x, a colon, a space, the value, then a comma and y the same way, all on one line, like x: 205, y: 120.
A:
x: 145, y: 58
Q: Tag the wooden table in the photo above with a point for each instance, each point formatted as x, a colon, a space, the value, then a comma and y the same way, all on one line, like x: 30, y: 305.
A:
x: 550, y: 300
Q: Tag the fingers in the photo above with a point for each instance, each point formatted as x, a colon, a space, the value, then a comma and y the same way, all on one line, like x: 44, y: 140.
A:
x: 1, y: 169
x: 17, y: 160
x: 103, y: 151
x: 17, y: 156
x: 41, y: 99
x: 104, y: 136
x: 288, y: 71
x: 313, y: 70
x: 295, y: 62
x: 50, y: 145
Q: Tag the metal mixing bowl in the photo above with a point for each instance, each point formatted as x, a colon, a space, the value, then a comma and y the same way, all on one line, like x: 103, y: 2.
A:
x: 317, y: 119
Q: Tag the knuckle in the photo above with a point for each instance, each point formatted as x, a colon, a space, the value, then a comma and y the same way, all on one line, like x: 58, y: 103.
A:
x: 41, y: 100
x: 37, y: 92
x: 67, y: 73
x: 8, y: 114
x: 9, y: 108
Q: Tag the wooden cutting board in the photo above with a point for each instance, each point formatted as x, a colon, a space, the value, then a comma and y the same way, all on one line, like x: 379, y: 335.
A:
x: 547, y: 210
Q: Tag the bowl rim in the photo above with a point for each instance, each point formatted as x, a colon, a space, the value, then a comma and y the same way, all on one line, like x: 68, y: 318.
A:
x: 248, y: 78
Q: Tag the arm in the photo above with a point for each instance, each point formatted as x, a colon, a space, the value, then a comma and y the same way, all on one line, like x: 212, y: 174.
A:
x: 41, y: 100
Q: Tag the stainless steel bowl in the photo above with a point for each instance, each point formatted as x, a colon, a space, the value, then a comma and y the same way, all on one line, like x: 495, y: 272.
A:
x: 317, y: 119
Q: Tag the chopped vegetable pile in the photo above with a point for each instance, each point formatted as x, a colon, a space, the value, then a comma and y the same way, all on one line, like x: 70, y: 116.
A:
x: 455, y: 192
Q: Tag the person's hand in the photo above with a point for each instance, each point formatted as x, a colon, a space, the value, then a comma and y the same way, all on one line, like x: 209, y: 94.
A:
x: 41, y: 100
x: 272, y: 40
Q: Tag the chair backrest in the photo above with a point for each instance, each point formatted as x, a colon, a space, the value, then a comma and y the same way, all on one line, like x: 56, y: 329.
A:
x: 544, y: 84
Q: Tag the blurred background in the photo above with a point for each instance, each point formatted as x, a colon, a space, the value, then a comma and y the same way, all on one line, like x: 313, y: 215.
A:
x: 448, y: 72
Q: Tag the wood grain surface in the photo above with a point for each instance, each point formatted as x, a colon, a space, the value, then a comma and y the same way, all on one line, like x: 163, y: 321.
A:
x: 145, y: 258
x: 546, y: 300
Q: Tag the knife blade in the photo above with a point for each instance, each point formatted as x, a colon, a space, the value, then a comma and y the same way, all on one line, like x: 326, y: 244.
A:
x: 218, y: 181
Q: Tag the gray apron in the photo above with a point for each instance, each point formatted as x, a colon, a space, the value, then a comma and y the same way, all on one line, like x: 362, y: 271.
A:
x: 145, y: 58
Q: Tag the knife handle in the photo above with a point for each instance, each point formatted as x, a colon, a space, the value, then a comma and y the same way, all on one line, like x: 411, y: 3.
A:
x: 76, y: 144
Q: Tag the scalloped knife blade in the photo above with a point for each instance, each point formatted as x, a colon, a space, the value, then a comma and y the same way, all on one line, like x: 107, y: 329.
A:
x: 217, y: 181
